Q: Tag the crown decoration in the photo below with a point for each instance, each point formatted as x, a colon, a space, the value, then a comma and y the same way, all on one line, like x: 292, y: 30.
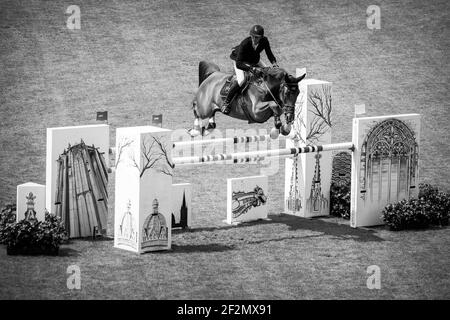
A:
x: 30, y: 200
x: 155, y: 206
x: 155, y: 230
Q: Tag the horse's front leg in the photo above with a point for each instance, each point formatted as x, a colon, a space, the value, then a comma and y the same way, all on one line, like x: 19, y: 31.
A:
x: 276, y: 114
x: 276, y: 120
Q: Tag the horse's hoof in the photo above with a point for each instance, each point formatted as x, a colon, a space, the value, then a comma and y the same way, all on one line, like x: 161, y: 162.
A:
x: 211, y: 126
x: 274, y: 133
x: 194, y: 133
x: 292, y: 135
x: 285, y: 129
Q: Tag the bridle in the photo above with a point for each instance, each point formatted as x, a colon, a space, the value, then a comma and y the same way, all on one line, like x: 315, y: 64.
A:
x: 283, y: 85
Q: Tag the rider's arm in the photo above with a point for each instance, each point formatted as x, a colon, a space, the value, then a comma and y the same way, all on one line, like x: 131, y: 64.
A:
x: 269, y: 53
x: 243, y: 66
x: 241, y: 57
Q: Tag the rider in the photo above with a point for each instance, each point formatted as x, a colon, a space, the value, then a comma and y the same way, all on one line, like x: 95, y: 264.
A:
x: 246, y: 57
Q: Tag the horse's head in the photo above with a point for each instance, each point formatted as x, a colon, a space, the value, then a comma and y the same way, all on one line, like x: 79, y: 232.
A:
x: 288, y: 94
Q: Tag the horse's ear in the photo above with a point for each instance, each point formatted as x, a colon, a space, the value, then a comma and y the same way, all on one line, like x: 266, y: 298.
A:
x: 287, y: 78
x: 297, y: 80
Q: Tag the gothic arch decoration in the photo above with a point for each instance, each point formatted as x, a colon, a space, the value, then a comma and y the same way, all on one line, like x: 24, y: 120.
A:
x: 389, y: 161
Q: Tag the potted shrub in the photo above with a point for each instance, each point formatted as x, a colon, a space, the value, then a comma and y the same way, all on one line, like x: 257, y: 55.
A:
x: 431, y: 208
x: 438, y: 204
x: 34, y: 237
x: 7, y: 216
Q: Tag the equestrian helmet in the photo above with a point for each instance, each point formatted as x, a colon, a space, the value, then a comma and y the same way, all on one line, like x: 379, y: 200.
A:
x: 257, y: 30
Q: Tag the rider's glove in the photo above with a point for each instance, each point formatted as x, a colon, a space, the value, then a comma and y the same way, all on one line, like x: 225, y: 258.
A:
x: 256, y: 71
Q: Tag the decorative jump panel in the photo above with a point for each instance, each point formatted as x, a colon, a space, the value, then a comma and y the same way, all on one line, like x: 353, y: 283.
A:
x: 143, y: 189
x: 384, y: 165
x: 308, y: 176
x: 77, y: 177
x: 247, y: 199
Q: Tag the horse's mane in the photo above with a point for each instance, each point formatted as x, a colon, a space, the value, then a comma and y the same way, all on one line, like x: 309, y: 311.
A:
x: 277, y: 73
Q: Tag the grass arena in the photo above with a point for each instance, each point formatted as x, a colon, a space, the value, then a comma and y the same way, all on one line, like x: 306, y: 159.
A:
x: 140, y: 58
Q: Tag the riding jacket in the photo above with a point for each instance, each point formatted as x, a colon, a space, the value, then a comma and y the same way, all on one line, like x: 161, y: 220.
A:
x: 247, y: 57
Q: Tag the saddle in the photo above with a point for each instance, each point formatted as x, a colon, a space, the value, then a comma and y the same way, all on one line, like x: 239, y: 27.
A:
x: 239, y: 99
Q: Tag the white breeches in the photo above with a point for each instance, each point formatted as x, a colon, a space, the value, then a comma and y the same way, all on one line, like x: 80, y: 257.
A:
x: 240, y: 75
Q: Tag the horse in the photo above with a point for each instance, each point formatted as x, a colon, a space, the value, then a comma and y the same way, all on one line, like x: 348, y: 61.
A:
x: 272, y: 94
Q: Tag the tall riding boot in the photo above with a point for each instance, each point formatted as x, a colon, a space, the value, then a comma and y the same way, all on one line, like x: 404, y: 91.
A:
x: 234, y: 89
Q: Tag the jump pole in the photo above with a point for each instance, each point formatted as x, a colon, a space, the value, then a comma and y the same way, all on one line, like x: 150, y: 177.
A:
x: 238, y: 156
x: 234, y: 140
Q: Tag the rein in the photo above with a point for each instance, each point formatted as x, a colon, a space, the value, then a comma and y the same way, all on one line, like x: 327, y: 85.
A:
x: 274, y: 99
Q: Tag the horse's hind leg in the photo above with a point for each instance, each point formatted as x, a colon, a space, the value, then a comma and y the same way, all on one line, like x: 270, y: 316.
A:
x: 211, y: 123
x: 197, y: 129
x: 211, y: 126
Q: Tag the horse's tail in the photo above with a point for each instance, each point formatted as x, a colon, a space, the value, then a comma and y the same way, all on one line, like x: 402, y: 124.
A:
x: 205, y: 69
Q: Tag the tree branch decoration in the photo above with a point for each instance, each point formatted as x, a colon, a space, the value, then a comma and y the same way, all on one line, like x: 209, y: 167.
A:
x: 125, y: 143
x: 168, y: 166
x: 299, y: 122
x: 320, y: 101
x: 152, y: 153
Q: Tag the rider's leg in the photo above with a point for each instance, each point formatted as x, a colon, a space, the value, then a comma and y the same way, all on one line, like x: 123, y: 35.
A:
x: 234, y: 89
x: 240, y: 74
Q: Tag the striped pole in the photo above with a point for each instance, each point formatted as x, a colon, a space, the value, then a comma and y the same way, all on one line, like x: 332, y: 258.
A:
x: 246, y: 159
x: 261, y: 154
x: 234, y: 140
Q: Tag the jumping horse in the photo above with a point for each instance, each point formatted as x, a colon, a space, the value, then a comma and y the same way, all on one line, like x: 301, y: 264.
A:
x: 272, y: 92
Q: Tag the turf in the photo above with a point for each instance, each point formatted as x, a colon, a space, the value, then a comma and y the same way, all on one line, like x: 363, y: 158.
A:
x: 139, y: 58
